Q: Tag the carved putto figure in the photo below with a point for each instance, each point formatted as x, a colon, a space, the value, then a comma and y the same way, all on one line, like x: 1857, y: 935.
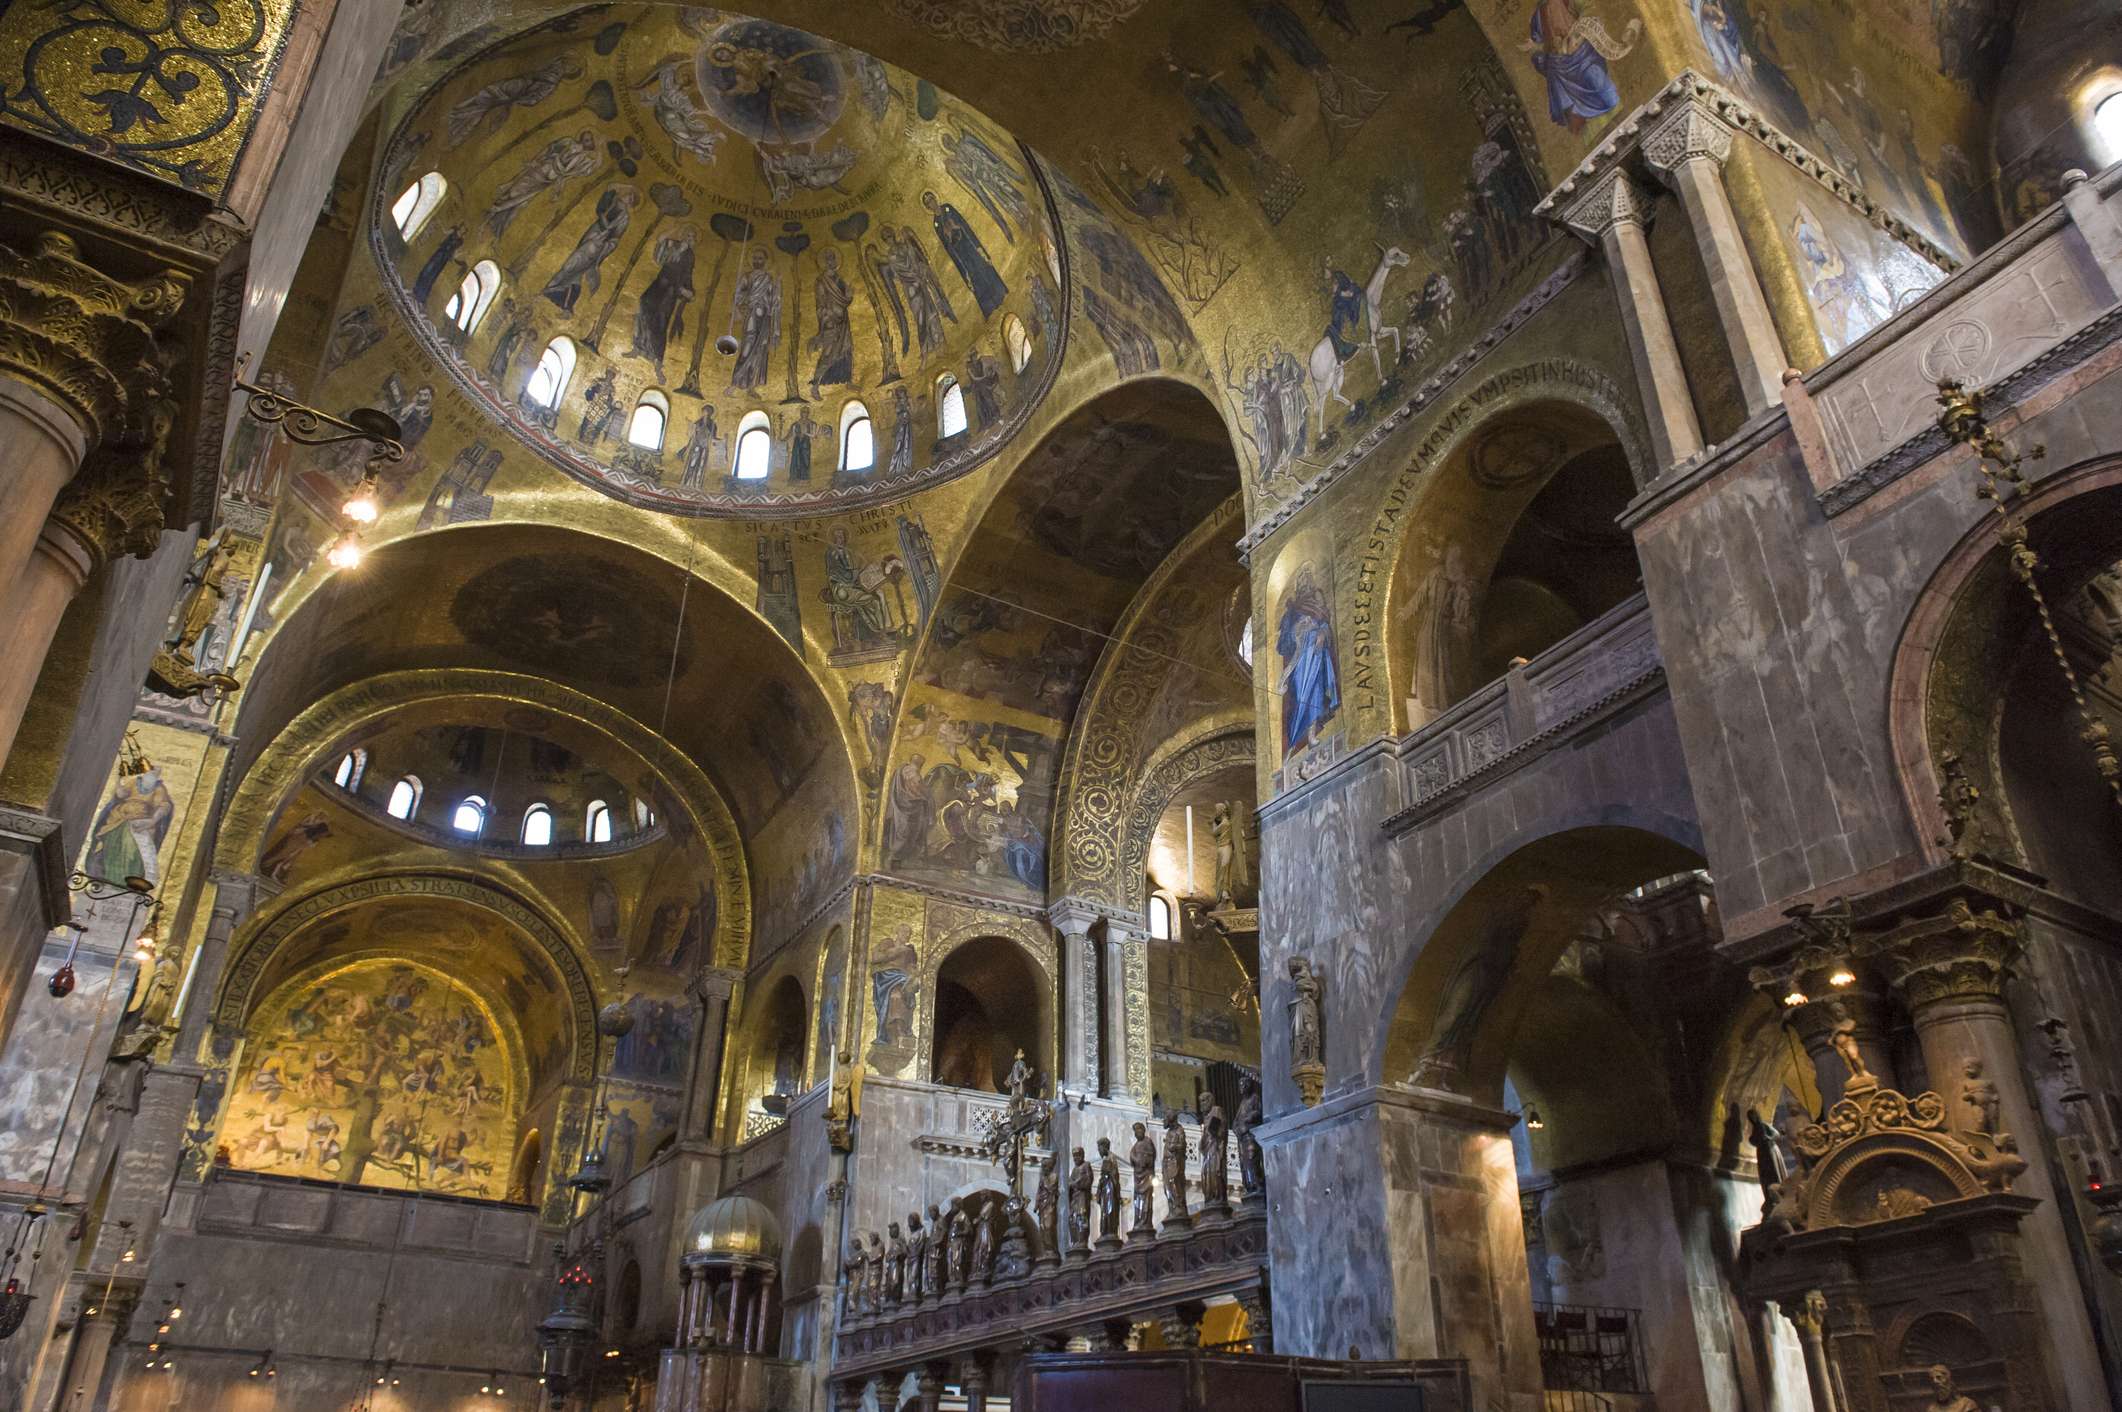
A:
x: 1142, y: 1161
x: 1215, y: 1154
x: 1252, y: 1171
x: 1979, y: 1099
x: 1108, y: 1193
x: 1844, y: 1039
x: 1080, y: 1182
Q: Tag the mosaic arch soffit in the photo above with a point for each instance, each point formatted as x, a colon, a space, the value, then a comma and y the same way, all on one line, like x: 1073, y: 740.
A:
x: 1205, y: 748
x: 252, y: 953
x: 900, y: 222
x: 1095, y: 787
x: 303, y: 744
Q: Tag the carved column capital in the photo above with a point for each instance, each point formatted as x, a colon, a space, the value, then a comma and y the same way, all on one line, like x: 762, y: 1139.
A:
x: 711, y: 984
x: 1691, y: 131
x: 115, y: 506
x: 1074, y: 916
x: 83, y: 338
x: 1958, y: 954
x: 1611, y: 200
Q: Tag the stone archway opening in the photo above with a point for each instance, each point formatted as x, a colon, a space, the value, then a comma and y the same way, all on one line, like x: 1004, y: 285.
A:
x: 991, y: 1004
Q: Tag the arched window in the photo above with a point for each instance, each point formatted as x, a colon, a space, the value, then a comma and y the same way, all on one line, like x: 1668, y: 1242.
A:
x: 644, y: 817
x: 351, y: 766
x: 1019, y: 342
x: 1160, y: 918
x: 411, y: 210
x: 597, y: 826
x: 950, y: 407
x: 549, y: 379
x: 537, y: 826
x: 858, y: 438
x: 1245, y: 643
x: 651, y: 416
x: 755, y: 447
x: 470, y: 816
x: 2107, y: 125
x: 469, y: 304
x: 405, y: 798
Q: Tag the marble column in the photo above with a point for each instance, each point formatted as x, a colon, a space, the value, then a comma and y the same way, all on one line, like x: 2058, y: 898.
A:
x: 1809, y: 1317
x: 1950, y: 969
x: 1688, y: 150
x: 1434, y: 1176
x: 41, y: 446
x: 710, y: 989
x: 58, y: 565
x: 1611, y: 214
x: 972, y: 1381
x: 929, y: 1380
x: 235, y: 896
x: 1079, y: 995
x: 1117, y: 1004
x: 1259, y: 1318
x: 88, y: 1360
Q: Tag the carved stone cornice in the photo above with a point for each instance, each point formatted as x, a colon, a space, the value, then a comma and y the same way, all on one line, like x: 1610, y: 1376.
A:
x: 1691, y: 131
x: 1958, y: 954
x: 1611, y: 200
x: 81, y: 337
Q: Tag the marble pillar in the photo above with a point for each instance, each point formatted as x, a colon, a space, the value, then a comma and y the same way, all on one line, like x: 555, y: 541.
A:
x: 1611, y: 214
x: 972, y: 1381
x: 1809, y: 1317
x: 1688, y: 150
x: 88, y: 1360
x: 1117, y: 1069
x: 711, y: 990
x: 1079, y: 996
x: 58, y: 565
x: 1434, y: 1176
x: 41, y: 446
x: 930, y: 1382
x: 1951, y: 968
x: 236, y: 895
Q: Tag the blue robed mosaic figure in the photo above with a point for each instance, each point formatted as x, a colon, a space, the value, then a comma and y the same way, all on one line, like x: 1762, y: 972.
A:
x: 1311, y: 684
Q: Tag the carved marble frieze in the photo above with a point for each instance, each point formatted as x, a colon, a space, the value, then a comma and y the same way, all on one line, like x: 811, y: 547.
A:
x: 1138, y: 1282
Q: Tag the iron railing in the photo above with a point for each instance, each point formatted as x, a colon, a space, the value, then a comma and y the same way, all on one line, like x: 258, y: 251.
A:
x: 1586, y: 1348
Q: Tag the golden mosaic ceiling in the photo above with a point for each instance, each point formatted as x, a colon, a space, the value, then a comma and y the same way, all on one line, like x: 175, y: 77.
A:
x: 727, y: 218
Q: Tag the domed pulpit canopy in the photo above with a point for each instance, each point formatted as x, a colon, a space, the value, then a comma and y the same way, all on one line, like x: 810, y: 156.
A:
x: 728, y: 1276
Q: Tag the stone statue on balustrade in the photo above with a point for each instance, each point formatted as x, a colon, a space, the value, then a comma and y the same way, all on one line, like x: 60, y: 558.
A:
x: 984, y: 1247
x: 1175, y: 1213
x: 853, y: 1275
x: 1215, y: 1155
x: 876, y: 1273
x: 1047, y: 1207
x: 1252, y: 1170
x: 1307, y: 1046
x: 1142, y: 1161
x: 1080, y: 1182
x: 1108, y: 1196
x: 895, y: 1267
x: 916, y: 1258
x: 961, y: 1245
x: 1020, y: 1074
x: 938, y: 1253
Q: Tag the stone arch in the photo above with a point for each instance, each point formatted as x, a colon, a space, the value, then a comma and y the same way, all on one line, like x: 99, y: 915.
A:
x: 1966, y: 631
x: 1097, y: 809
x: 1483, y: 948
x: 1205, y: 748
x: 989, y: 962
x: 251, y: 953
x: 1439, y: 525
x: 772, y: 1006
x: 287, y: 761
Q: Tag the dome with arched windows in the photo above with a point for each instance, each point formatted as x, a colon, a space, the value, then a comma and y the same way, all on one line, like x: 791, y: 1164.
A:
x: 682, y: 260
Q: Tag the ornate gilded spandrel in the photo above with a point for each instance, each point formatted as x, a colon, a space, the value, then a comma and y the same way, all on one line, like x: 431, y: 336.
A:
x: 169, y: 88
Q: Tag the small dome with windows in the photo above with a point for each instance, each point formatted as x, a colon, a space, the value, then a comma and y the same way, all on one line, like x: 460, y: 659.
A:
x: 678, y: 286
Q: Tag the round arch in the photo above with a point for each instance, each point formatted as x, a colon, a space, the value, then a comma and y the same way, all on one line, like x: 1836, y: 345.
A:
x: 1450, y: 513
x: 1962, y: 637
x: 251, y: 952
x: 288, y: 760
x: 1448, y: 1008
x: 990, y: 994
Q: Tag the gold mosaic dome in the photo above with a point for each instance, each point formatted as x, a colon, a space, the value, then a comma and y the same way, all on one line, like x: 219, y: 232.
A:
x: 641, y: 251
x: 732, y: 1226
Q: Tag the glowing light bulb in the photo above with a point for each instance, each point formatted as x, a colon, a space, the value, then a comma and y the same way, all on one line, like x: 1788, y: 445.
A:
x: 1533, y: 1121
x: 1794, y: 999
x: 1842, y: 977
x: 345, y: 552
x: 361, y: 507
